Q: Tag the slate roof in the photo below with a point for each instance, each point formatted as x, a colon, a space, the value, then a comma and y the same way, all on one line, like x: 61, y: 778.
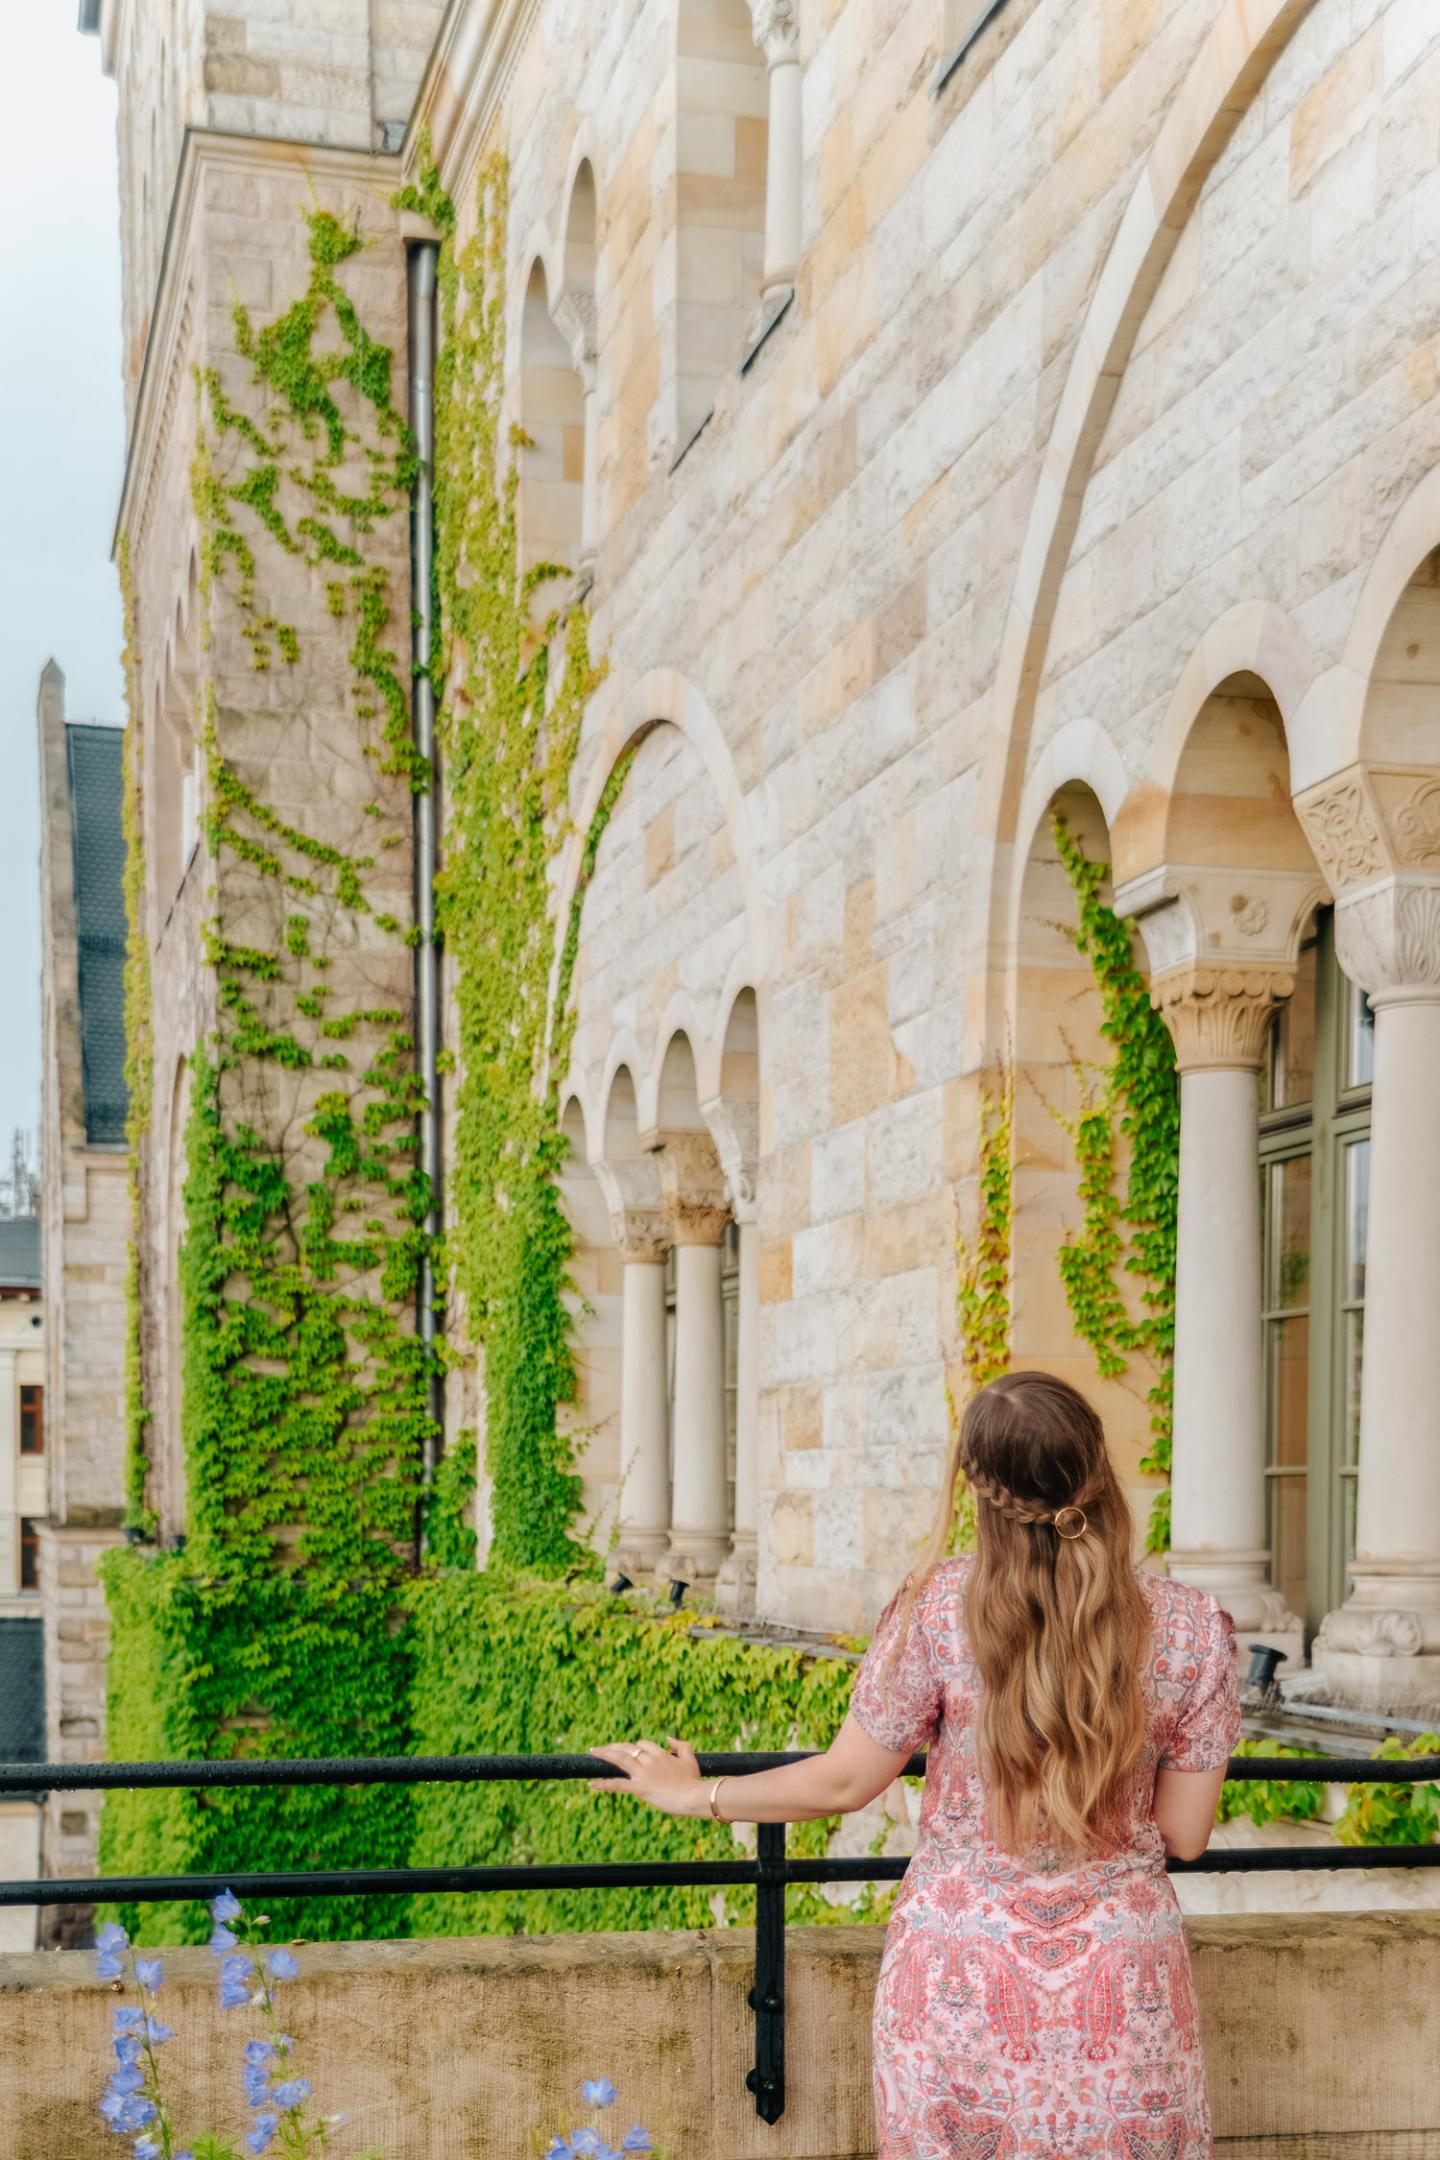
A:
x: 19, y: 1255
x: 22, y: 1695
x: 93, y: 766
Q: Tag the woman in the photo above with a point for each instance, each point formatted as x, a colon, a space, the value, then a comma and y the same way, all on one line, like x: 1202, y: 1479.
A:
x: 1035, y: 1996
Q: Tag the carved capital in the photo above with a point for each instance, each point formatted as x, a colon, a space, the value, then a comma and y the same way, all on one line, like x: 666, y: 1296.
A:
x: 1388, y: 940
x: 1367, y: 1631
x: 736, y: 1127
x: 631, y: 1188
x: 1209, y: 915
x: 1343, y: 830
x: 574, y: 316
x: 692, y: 1188
x: 1218, y: 1015
x: 777, y: 29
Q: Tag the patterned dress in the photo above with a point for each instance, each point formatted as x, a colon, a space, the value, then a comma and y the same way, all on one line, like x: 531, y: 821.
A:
x: 1040, y: 2011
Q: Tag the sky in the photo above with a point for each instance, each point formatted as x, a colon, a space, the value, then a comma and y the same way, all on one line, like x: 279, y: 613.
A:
x: 64, y: 451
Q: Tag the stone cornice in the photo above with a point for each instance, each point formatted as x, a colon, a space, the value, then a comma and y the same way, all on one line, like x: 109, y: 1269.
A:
x: 1218, y: 1016
x: 164, y: 361
x: 469, y: 70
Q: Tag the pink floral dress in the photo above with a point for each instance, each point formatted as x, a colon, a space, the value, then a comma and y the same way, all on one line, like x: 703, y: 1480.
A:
x: 1040, y: 2011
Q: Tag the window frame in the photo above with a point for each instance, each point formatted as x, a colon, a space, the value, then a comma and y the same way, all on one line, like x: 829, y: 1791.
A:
x: 36, y: 1390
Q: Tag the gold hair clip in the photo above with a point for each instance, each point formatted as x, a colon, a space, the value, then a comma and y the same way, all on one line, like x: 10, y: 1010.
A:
x: 1061, y: 1531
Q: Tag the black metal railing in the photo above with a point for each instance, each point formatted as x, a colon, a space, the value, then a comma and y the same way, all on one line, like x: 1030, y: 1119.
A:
x: 768, y: 1873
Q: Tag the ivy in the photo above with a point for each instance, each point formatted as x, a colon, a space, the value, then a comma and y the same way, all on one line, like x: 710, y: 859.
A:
x: 139, y: 1052
x: 1267, y: 1800
x: 1138, y: 1099
x: 517, y: 673
x: 983, y: 1292
x: 304, y: 1383
x: 1394, y: 1814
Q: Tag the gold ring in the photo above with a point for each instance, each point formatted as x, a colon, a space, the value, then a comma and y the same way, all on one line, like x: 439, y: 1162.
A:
x: 635, y: 1754
x: 1058, y: 1519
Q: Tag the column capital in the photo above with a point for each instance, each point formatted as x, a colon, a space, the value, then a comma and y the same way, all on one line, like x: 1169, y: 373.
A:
x: 630, y: 1185
x: 1369, y: 820
x: 575, y: 317
x: 1387, y: 939
x: 1218, y: 1016
x: 777, y: 30
x: 692, y: 1188
x: 736, y: 1129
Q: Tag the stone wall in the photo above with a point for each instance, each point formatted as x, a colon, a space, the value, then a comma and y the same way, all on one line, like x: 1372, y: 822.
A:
x: 1320, y: 2034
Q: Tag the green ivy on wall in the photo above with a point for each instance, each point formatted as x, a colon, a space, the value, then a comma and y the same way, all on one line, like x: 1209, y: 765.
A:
x: 139, y: 1050
x: 983, y: 1284
x: 1138, y: 1099
x: 517, y: 672
x: 304, y: 1383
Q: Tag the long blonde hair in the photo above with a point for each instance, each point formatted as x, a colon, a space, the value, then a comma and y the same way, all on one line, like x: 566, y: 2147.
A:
x: 1056, y: 1620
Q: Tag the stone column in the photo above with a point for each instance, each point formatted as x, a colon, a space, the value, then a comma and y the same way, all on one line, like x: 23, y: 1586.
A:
x: 1219, y: 1019
x: 695, y: 1217
x: 1383, y: 1644
x: 736, y: 1129
x: 777, y: 33
x: 575, y: 319
x: 632, y: 1193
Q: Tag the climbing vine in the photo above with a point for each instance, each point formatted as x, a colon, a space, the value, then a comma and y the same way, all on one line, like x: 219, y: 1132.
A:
x: 983, y: 1289
x: 304, y: 1383
x: 1137, y: 1099
x: 515, y: 661
x: 139, y: 1050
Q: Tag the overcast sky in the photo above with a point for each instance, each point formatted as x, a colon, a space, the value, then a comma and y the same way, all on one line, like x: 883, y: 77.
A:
x: 64, y: 447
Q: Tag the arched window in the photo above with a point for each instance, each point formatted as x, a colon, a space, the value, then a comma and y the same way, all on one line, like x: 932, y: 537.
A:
x: 552, y: 414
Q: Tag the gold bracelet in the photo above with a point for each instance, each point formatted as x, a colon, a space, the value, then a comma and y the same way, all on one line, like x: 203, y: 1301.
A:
x: 714, y: 1796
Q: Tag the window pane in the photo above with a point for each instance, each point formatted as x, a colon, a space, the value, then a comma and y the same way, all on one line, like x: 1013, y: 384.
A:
x: 1289, y: 1392
x: 1360, y: 1038
x: 29, y: 1555
x: 1292, y: 1041
x: 1288, y: 1539
x: 32, y: 1421
x: 1288, y: 1270
x: 1357, y: 1217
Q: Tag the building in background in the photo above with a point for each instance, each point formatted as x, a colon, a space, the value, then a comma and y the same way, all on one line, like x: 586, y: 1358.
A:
x: 83, y: 1238
x: 22, y: 1507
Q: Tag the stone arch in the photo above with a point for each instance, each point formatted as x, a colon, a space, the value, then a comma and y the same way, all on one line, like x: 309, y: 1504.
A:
x: 552, y: 414
x: 1232, y: 63
x: 721, y: 147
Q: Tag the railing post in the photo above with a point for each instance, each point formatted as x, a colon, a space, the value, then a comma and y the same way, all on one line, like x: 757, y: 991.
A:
x: 767, y: 1996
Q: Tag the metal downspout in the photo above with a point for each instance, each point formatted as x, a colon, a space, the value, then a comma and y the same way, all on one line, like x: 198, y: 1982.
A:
x: 421, y: 270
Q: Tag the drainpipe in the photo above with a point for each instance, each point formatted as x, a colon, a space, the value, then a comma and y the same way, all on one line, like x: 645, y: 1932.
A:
x: 421, y: 267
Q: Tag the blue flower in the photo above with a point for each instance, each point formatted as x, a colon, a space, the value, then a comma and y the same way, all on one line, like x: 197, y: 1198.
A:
x: 225, y: 1907
x: 636, y: 2140
x: 111, y: 1937
x: 598, y: 2092
x: 127, y: 2111
x: 128, y: 2019
x: 149, y: 1972
x: 265, y: 2128
x: 236, y: 1973
x: 259, y: 2051
x: 108, y: 1966
x: 127, y: 2050
x: 282, y: 1965
x: 558, y: 2149
x: 256, y: 2082
x: 293, y: 2093
x: 146, y: 2149
x: 129, y: 2078
x: 588, y: 2143
x: 156, y: 2033
x: 223, y: 1939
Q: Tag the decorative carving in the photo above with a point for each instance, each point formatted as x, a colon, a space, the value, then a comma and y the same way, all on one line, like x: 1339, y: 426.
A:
x: 1251, y: 916
x: 1341, y: 828
x: 631, y: 1188
x: 777, y: 29
x: 692, y: 1188
x: 1388, y: 940
x: 1370, y: 1632
x: 574, y: 316
x: 1417, y: 825
x: 1219, y: 1015
x: 736, y: 1126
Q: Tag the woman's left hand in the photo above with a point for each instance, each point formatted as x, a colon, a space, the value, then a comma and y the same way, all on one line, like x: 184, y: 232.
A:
x: 669, y: 1777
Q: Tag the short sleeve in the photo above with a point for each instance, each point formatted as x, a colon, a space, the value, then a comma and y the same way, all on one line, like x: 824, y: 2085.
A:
x: 1207, y: 1724
x: 898, y: 1696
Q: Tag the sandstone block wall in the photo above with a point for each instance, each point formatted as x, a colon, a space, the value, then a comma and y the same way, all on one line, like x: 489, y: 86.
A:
x: 1320, y: 2039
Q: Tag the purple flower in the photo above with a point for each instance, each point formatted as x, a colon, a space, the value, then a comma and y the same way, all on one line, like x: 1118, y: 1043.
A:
x: 146, y: 2149
x: 293, y: 2093
x: 129, y: 2078
x: 265, y: 2128
x: 149, y: 1972
x: 236, y: 1973
x: 225, y: 1907
x: 127, y: 2111
x: 588, y: 2143
x: 129, y: 2020
x: 127, y: 2050
x: 223, y: 1939
x: 156, y: 2033
x: 557, y: 2149
x: 108, y: 1966
x: 111, y: 1937
x: 282, y: 1965
x: 636, y: 2140
x: 598, y: 2092
x: 256, y: 2082
x: 259, y: 2051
